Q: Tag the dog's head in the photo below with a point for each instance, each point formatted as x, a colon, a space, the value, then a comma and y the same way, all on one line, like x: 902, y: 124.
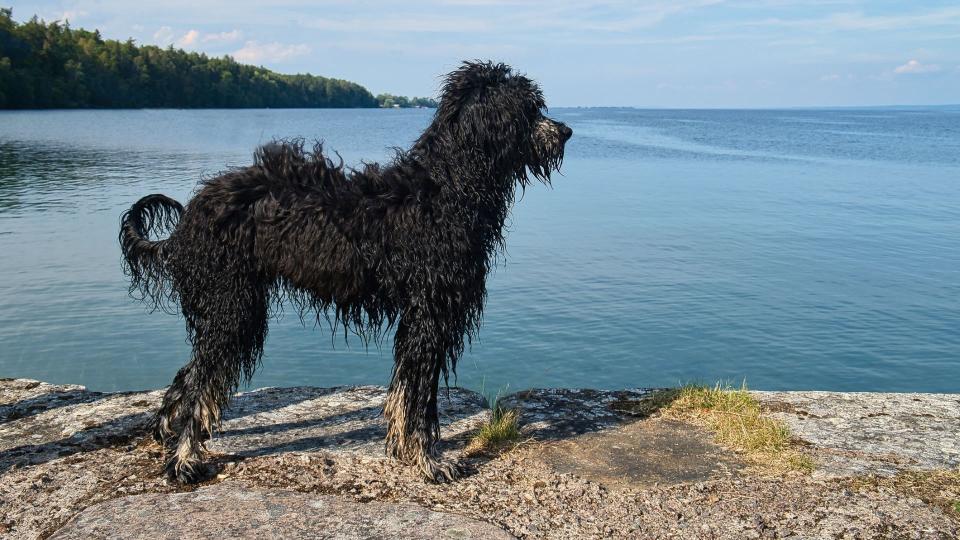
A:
x: 488, y: 109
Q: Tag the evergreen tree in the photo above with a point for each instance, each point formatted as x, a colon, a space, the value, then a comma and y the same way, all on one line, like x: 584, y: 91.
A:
x: 51, y: 65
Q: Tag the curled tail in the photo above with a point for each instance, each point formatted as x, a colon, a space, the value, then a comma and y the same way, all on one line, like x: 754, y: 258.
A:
x: 143, y: 259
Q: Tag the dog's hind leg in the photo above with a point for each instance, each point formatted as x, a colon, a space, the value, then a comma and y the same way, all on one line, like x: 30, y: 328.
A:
x: 411, y: 407
x: 228, y: 328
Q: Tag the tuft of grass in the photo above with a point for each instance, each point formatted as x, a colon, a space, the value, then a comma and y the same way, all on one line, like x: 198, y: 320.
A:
x: 736, y: 420
x: 502, y: 430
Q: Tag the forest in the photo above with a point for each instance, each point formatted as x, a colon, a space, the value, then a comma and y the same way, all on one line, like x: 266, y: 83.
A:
x: 51, y: 65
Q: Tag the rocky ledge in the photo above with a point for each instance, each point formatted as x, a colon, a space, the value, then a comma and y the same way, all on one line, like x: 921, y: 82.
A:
x: 307, y: 463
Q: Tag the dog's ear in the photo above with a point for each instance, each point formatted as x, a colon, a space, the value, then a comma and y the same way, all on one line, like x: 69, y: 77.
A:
x: 468, y: 84
x: 488, y: 105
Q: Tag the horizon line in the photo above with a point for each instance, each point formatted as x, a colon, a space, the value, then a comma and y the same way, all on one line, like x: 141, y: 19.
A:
x: 636, y: 107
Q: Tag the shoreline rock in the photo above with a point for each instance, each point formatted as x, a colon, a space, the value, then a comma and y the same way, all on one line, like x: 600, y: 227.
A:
x: 284, y: 514
x: 585, y: 469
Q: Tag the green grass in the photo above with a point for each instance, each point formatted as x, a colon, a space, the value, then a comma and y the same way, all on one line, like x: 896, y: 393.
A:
x: 737, y: 421
x: 501, y: 431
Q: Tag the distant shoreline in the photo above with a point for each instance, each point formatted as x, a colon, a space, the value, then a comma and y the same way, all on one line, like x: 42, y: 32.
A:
x: 68, y: 109
x: 948, y: 107
x: 53, y: 66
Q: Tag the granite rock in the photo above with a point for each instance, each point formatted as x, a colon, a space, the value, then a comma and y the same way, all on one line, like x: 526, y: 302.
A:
x: 585, y: 468
x: 857, y: 433
x: 233, y: 511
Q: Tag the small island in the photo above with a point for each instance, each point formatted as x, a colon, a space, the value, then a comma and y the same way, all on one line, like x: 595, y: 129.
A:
x: 49, y: 65
x: 389, y: 101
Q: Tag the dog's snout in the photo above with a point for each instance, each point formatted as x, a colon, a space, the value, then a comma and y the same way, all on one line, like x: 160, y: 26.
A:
x: 565, y: 132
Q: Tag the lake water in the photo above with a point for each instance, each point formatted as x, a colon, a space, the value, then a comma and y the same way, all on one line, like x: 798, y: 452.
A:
x: 796, y: 249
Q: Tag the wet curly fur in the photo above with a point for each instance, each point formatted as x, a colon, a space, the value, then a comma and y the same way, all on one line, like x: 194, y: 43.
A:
x: 407, y: 245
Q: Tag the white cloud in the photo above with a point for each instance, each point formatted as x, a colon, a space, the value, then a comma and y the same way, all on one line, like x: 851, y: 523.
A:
x: 621, y: 16
x: 223, y: 37
x: 193, y: 38
x: 188, y: 39
x: 832, y: 77
x: 648, y: 14
x: 257, y: 53
x: 401, y: 24
x: 72, y: 15
x: 484, y: 2
x: 164, y: 36
x: 859, y: 21
x: 946, y: 17
x: 914, y: 66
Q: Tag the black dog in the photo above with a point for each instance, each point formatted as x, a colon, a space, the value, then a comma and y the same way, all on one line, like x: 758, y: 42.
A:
x: 407, y: 244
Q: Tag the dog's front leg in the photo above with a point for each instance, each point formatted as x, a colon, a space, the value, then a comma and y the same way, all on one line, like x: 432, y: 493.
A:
x: 411, y: 407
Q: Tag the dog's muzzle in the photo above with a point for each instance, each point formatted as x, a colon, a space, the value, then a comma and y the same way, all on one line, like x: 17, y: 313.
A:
x: 552, y: 132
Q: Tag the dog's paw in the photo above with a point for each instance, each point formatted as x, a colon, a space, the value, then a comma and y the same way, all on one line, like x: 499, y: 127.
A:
x: 187, y: 472
x: 440, y: 471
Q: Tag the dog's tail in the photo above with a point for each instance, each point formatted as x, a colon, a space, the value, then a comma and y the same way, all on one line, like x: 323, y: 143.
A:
x: 143, y: 259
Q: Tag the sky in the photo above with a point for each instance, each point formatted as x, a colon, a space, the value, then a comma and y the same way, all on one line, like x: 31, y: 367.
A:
x: 678, y: 53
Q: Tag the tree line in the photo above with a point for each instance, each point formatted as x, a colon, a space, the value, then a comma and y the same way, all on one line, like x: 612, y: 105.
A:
x: 51, y: 65
x: 390, y: 100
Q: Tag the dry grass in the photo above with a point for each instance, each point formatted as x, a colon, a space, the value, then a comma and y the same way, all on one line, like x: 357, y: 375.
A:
x: 735, y: 418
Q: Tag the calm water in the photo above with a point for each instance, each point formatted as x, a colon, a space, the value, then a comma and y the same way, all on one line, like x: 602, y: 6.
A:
x: 797, y: 249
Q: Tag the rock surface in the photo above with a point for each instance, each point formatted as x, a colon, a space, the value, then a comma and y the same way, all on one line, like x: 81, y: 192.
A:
x: 42, y: 421
x: 585, y: 469
x: 644, y: 454
x: 226, y: 511
x: 595, y: 441
x: 345, y: 419
x: 857, y: 433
